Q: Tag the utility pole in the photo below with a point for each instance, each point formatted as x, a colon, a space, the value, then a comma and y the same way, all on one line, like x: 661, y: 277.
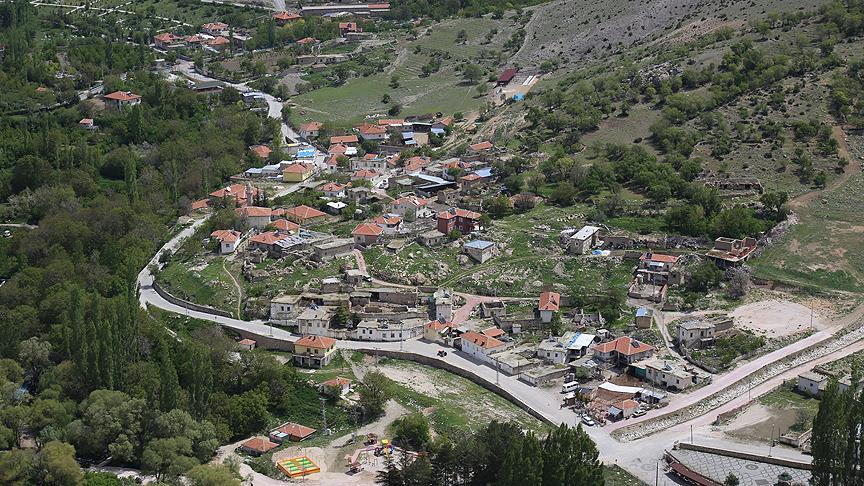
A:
x: 401, y: 336
x: 691, y: 434
x: 496, y: 371
x: 657, y: 475
x: 323, y: 415
x: 811, y: 314
x: 771, y: 441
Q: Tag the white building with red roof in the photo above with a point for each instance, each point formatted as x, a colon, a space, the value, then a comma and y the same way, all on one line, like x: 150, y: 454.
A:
x: 624, y: 350
x: 241, y: 194
x: 367, y: 233
x: 254, y: 216
x: 419, y: 206
x: 122, y: 99
x: 548, y: 305
x: 390, y: 223
x: 228, y: 240
x: 333, y: 189
x: 311, y: 129
x: 314, y: 351
x: 481, y: 347
x: 304, y: 214
x: 372, y: 132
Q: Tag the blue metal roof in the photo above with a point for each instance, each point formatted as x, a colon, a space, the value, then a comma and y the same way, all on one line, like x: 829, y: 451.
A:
x: 641, y: 312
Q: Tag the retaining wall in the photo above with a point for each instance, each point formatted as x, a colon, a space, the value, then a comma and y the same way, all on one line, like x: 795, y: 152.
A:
x: 189, y: 305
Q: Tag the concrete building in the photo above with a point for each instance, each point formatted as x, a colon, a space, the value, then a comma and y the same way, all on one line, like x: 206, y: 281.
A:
x: 624, y: 350
x: 439, y: 332
x: 480, y: 250
x: 334, y: 249
x: 120, y: 100
x: 283, y: 308
x: 228, y: 240
x: 584, y: 240
x: 314, y: 351
x: 695, y: 334
x: 481, y: 347
x: 667, y: 374
x: 373, y: 330
x: 644, y: 318
x: 443, y: 301
x: 731, y: 252
x: 315, y: 320
x: 458, y: 219
x: 812, y: 383
x: 548, y: 305
x: 297, y: 172
x: 431, y: 238
x: 254, y: 216
x: 366, y: 234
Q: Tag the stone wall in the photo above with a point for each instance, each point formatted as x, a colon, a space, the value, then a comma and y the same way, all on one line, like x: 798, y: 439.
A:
x: 189, y: 305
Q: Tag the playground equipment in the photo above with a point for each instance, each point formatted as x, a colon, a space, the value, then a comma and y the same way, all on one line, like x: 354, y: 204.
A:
x: 298, y: 466
x: 385, y: 449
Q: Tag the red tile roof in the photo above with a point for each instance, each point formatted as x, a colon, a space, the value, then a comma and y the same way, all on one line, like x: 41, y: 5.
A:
x: 307, y: 40
x: 339, y: 381
x: 200, y: 204
x: 294, y: 430
x: 304, y: 212
x: 318, y: 342
x: 659, y: 257
x: 286, y: 16
x: 228, y: 236
x: 391, y: 121
x: 623, y: 345
x: 312, y: 126
x: 462, y: 213
x: 86, y: 121
x: 493, y: 332
x: 297, y: 168
x: 337, y: 149
x: 416, y: 163
x: 477, y: 147
x: 626, y: 404
x: 388, y: 219
x: 122, y: 96
x: 367, y: 229
x: 262, y: 151
x: 369, y: 129
x: 438, y: 325
x: 482, y: 340
x: 343, y: 139
x: 283, y: 224
x: 412, y: 200
x: 259, y: 444
x: 549, y: 301
x: 166, y: 37
x: 267, y: 238
x: 218, y: 41
x: 246, y: 342
x: 254, y: 212
x: 364, y: 174
x: 332, y: 187
x: 470, y: 177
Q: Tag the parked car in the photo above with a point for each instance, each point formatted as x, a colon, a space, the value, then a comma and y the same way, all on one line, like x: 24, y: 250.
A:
x: 640, y: 412
x: 588, y: 421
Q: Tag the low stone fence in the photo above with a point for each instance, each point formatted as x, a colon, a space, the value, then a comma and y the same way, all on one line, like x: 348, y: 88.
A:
x: 189, y: 305
x: 437, y: 363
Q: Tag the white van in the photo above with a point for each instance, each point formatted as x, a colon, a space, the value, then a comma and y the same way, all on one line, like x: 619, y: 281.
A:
x: 570, y: 387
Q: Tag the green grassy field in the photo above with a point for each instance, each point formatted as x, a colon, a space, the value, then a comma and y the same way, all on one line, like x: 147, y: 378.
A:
x: 787, y: 399
x: 442, y: 91
x: 617, y: 476
x: 209, y: 285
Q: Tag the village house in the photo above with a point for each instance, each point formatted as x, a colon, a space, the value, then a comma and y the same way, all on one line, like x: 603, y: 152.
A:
x: 268, y: 242
x: 431, y: 238
x: 307, y: 41
x: 644, y: 318
x: 408, y: 205
x: 304, y: 215
x: 667, y: 374
x: 481, y: 151
x: 443, y: 301
x: 334, y: 249
x: 167, y: 40
x: 297, y: 172
x: 812, y: 383
x: 214, y: 28
x: 283, y: 307
x: 623, y: 409
x: 370, y: 132
x: 261, y: 151
x: 254, y: 216
x: 553, y: 350
x: 315, y: 321
x: 333, y: 190
x: 416, y: 163
x: 228, y: 240
x: 624, y: 350
x: 584, y: 240
x: 217, y: 43
x: 439, y: 331
x: 506, y: 76
x: 480, y: 346
x: 374, y: 330
x: 257, y: 446
x: 314, y: 351
x: 87, y: 124
x: 364, y: 175
x: 289, y: 431
x: 371, y: 162
x: 350, y: 140
x: 730, y: 252
x: 390, y: 223
x: 242, y: 195
x: 349, y: 27
x: 458, y: 219
x: 694, y: 334
x: 658, y: 269
x: 548, y: 305
x: 366, y: 233
x: 310, y: 130
x: 284, y: 17
x: 120, y: 100
x: 285, y: 227
x: 480, y: 250
x: 341, y: 385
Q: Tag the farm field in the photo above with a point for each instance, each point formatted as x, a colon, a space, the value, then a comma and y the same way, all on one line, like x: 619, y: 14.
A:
x: 443, y: 91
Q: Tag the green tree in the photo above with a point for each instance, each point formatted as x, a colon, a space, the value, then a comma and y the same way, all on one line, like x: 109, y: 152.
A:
x: 563, y: 194
x: 731, y: 480
x: 212, y: 475
x: 16, y: 467
x: 472, y: 73
x: 374, y: 393
x: 704, y: 277
x: 412, y: 431
x: 168, y: 458
x: 55, y: 465
x: 831, y: 438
